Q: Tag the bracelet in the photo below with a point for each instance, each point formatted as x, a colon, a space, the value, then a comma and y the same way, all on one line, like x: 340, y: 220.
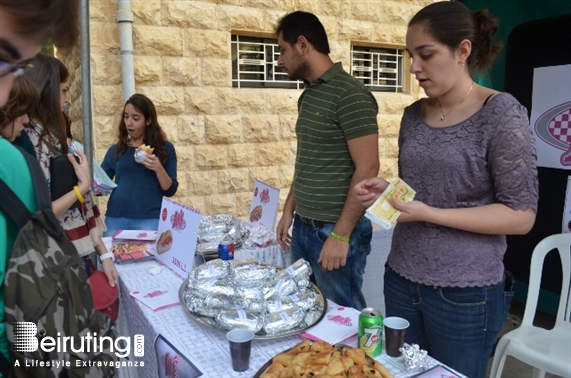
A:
x: 78, y: 194
x: 339, y: 237
x: 105, y: 256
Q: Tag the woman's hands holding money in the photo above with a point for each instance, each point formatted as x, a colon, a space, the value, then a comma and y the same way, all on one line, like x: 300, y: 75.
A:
x: 411, y: 211
x: 367, y: 191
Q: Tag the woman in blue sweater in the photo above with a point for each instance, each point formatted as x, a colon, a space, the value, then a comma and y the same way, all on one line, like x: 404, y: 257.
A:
x: 135, y: 203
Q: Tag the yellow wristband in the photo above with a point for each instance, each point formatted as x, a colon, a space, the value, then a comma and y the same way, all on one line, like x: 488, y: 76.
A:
x: 339, y: 237
x: 78, y: 194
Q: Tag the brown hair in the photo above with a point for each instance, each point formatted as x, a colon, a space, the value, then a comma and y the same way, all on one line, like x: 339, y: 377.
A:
x: 41, y: 19
x: 23, y: 98
x: 154, y: 134
x: 450, y: 22
x: 47, y: 75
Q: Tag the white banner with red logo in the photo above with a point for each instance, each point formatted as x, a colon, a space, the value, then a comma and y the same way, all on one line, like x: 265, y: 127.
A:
x: 176, y: 243
x: 551, y: 116
x: 264, y: 206
x: 172, y: 363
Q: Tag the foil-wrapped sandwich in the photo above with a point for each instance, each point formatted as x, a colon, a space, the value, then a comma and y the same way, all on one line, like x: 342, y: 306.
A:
x: 240, y: 318
x: 282, y: 321
x: 212, y: 269
x: 253, y: 275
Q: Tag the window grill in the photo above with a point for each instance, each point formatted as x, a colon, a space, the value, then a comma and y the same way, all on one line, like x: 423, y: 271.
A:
x: 255, y: 64
x: 380, y: 69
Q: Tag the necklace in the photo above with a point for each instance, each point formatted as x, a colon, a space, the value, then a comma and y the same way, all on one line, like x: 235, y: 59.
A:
x: 443, y: 117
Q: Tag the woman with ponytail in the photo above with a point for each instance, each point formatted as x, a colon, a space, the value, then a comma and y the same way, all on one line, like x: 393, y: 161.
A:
x: 468, y: 151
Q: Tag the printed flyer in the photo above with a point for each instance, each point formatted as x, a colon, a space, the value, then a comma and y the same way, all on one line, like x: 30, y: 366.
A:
x: 264, y: 206
x: 176, y: 243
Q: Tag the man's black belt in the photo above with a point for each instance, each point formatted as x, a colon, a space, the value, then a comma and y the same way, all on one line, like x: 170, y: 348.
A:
x: 314, y: 222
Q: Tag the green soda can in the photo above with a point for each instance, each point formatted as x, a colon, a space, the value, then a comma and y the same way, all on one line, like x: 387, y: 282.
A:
x: 371, y: 331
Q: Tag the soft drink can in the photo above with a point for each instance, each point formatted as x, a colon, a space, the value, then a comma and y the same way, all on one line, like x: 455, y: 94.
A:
x: 226, y: 251
x: 371, y: 331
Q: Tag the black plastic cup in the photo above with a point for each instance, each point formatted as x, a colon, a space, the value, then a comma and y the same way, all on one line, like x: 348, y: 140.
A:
x: 395, y: 331
x: 240, y: 348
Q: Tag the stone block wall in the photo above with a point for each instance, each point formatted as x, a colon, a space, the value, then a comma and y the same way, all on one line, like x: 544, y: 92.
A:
x: 225, y: 137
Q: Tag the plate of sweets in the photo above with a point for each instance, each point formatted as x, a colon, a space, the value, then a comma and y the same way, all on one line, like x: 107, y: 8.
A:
x: 133, y: 245
x: 316, y: 359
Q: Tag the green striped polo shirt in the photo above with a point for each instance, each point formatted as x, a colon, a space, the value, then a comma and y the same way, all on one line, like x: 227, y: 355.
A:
x: 333, y: 109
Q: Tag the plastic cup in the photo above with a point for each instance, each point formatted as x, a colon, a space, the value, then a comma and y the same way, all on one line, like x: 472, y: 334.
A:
x: 240, y: 348
x: 395, y: 331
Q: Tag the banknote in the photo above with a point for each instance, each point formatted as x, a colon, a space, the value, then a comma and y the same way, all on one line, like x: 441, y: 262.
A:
x: 381, y: 210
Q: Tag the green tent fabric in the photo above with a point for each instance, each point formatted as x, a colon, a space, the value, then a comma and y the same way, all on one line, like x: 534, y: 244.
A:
x: 510, y: 14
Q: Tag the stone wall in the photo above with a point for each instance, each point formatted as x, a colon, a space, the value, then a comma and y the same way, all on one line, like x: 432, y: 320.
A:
x: 226, y: 137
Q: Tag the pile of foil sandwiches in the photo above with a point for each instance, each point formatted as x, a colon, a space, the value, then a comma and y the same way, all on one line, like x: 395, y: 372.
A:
x: 266, y: 299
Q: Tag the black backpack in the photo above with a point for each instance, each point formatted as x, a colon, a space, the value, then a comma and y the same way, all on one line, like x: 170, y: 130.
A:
x: 46, y: 288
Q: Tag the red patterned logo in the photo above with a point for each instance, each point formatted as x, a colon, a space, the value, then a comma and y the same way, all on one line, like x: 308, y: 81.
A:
x: 554, y: 128
x: 256, y: 192
x: 164, y: 214
x: 142, y: 235
x: 341, y: 320
x: 177, y: 220
x: 169, y: 364
x: 155, y: 293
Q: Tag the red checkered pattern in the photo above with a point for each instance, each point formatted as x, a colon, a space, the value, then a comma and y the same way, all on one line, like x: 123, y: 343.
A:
x: 560, y: 126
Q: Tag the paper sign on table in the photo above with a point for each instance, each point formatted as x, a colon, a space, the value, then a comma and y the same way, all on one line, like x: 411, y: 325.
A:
x: 264, y: 206
x: 172, y: 363
x: 338, y: 324
x: 178, y: 230
x: 157, y: 298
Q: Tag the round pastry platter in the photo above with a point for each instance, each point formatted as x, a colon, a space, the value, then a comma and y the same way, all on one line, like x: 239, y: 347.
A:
x: 209, y: 322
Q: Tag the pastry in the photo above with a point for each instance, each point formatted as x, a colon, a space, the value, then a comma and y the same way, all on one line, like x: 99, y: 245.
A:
x: 164, y: 243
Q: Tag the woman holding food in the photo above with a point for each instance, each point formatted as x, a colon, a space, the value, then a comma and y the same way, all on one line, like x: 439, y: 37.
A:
x: 469, y: 154
x: 143, y: 164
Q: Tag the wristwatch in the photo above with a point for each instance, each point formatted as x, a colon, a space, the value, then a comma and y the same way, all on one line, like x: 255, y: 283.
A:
x: 105, y: 256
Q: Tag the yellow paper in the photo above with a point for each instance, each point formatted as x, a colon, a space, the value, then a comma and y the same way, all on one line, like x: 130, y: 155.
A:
x: 382, y: 209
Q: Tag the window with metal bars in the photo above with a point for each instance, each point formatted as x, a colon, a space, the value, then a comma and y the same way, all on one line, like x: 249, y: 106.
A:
x: 379, y: 68
x: 255, y: 64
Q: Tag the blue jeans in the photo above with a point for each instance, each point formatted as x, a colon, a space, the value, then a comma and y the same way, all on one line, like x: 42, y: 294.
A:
x: 115, y: 224
x: 343, y: 285
x: 457, y: 326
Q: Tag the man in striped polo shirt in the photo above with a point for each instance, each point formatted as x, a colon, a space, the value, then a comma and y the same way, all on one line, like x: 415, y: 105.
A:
x: 337, y: 147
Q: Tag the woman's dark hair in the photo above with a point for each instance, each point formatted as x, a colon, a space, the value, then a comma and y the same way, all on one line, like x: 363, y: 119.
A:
x: 41, y: 19
x: 450, y: 22
x: 23, y: 98
x: 294, y: 24
x: 47, y: 75
x: 154, y: 134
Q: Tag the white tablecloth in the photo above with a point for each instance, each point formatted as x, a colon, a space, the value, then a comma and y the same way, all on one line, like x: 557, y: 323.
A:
x: 208, y: 347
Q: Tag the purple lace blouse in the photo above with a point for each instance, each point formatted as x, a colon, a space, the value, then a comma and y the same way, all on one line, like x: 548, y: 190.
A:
x: 488, y: 158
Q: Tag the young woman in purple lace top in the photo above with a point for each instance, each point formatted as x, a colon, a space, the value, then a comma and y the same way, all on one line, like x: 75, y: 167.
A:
x: 469, y: 153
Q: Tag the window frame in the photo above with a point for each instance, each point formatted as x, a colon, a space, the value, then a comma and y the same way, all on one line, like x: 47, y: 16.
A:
x: 377, y: 65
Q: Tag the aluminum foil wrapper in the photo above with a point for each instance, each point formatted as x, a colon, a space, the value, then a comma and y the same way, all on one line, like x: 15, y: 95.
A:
x: 305, y: 301
x: 192, y: 301
x: 212, y: 269
x: 224, y: 301
x: 211, y: 287
x: 253, y: 275
x: 415, y: 358
x: 239, y: 318
x: 214, y: 229
x: 300, y: 270
x: 238, y: 264
x: 283, y: 321
x: 140, y: 156
x: 281, y: 304
x: 312, y: 315
x: 279, y: 288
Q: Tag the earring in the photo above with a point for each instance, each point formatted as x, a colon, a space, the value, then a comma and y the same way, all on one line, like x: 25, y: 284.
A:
x: 462, y: 64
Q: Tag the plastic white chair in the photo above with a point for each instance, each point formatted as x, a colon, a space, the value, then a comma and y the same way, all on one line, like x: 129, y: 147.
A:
x: 545, y: 350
